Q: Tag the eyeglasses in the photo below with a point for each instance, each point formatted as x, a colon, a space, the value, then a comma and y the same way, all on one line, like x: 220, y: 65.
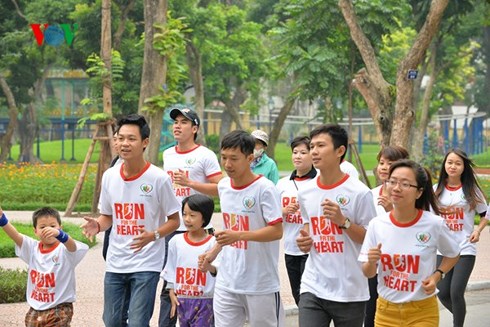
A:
x: 403, y: 185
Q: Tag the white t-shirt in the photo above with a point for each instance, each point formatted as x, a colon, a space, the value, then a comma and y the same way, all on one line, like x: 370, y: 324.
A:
x: 349, y: 169
x: 199, y: 164
x: 143, y: 201
x: 332, y: 271
x: 408, y: 253
x: 249, y: 267
x: 51, y: 273
x: 458, y: 216
x: 182, y: 269
x: 377, y: 191
x: 292, y: 223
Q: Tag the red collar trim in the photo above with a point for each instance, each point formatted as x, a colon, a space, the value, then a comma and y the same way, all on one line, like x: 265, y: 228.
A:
x: 244, y: 186
x: 404, y: 225
x: 135, y: 177
x: 184, y: 152
x: 329, y: 187
x: 190, y: 242
x: 453, y: 188
x: 48, y: 250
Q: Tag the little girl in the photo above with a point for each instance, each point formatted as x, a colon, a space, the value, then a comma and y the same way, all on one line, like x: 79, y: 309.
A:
x: 191, y: 289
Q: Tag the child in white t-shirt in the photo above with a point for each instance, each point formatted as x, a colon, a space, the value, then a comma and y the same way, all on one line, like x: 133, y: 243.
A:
x: 191, y: 289
x: 51, y: 268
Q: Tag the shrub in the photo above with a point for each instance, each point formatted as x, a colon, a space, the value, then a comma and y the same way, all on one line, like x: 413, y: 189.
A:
x: 13, y: 284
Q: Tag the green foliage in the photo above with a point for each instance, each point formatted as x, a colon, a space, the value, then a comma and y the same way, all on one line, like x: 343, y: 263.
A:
x: 98, y: 71
x: 395, y: 47
x: 170, y: 43
x: 212, y: 142
x: 13, y: 285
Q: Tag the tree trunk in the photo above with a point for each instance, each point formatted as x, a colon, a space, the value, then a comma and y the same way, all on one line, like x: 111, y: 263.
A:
x: 419, y: 133
x: 13, y: 112
x: 153, y: 75
x: 404, y: 107
x: 369, y: 81
x: 278, y: 124
x: 377, y: 93
x: 27, y: 132
x: 105, y: 156
x: 125, y: 10
x: 195, y: 71
x: 225, y: 126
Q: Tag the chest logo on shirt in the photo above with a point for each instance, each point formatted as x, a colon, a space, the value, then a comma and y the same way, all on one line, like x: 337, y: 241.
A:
x: 342, y: 200
x: 190, y: 161
x: 248, y: 202
x: 56, y: 260
x: 146, y: 188
x: 423, y: 237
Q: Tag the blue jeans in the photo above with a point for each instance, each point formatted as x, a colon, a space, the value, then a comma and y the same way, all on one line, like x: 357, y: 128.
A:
x: 139, y: 288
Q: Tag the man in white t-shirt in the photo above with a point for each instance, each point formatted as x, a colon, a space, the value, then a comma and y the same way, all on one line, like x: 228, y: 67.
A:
x: 336, y: 209
x: 138, y: 201
x: 247, y: 284
x: 193, y: 169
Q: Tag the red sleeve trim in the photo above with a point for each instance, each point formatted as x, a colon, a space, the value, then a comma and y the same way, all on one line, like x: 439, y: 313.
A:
x: 215, y: 174
x: 277, y: 221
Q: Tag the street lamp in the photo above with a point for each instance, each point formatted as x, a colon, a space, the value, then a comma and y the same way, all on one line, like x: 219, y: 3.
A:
x: 271, y: 106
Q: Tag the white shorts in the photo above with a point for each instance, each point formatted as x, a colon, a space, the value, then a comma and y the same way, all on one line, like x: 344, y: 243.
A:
x: 232, y: 310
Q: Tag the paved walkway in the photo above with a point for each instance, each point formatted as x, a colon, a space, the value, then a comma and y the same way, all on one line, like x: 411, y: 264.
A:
x: 90, y: 274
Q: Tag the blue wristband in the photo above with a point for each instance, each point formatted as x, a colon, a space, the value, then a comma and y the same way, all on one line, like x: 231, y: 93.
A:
x: 63, y: 237
x: 3, y: 220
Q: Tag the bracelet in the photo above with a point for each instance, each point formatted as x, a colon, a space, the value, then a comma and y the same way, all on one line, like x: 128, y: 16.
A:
x: 215, y: 273
x: 98, y: 226
x: 3, y: 220
x: 62, y: 237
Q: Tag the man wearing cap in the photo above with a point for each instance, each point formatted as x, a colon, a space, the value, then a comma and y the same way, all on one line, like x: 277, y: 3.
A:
x: 262, y: 164
x: 193, y: 169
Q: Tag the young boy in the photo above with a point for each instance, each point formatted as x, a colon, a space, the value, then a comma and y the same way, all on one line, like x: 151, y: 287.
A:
x: 191, y: 290
x: 336, y: 209
x: 247, y: 285
x: 51, y: 268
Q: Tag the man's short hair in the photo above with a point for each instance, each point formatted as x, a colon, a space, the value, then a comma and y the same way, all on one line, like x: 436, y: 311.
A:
x: 45, y: 212
x: 239, y: 139
x: 135, y: 119
x: 337, y: 133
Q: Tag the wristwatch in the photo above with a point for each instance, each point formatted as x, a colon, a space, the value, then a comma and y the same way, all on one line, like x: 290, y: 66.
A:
x: 441, y: 272
x: 157, y: 235
x: 346, y: 224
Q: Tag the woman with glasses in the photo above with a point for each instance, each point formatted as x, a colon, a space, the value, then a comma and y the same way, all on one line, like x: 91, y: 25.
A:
x: 386, y: 157
x: 402, y: 248
x: 460, y: 199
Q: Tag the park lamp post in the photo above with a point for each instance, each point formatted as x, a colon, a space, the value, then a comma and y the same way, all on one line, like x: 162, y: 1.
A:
x: 271, y: 106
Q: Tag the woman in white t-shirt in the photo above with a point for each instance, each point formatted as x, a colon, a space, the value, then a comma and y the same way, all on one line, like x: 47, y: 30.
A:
x: 289, y: 187
x: 460, y: 199
x: 386, y: 156
x: 402, y: 248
